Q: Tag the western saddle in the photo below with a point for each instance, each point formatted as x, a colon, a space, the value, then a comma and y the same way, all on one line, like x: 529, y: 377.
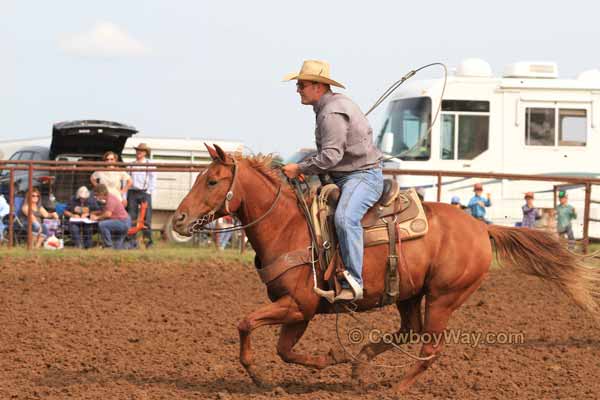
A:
x: 397, y: 216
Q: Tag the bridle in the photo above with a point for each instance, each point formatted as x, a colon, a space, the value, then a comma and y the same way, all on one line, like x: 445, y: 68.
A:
x: 198, y: 224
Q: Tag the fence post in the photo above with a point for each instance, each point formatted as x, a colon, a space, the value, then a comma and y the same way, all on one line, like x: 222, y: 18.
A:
x: 242, y: 241
x: 11, y: 215
x: 439, y: 187
x: 586, y: 217
x: 30, y: 208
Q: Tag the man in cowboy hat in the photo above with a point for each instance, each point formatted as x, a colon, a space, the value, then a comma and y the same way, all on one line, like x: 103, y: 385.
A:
x: 346, y: 152
x: 144, y: 183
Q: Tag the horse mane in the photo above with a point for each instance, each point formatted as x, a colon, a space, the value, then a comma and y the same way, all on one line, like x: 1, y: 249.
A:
x: 262, y: 163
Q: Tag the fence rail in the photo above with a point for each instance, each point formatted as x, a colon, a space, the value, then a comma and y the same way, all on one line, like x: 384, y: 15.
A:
x: 10, y: 168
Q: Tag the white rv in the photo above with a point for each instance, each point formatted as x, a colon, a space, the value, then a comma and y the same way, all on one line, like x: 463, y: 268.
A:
x: 527, y: 121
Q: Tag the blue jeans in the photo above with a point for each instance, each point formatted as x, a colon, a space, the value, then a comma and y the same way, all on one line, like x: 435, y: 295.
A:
x: 224, y: 238
x: 114, y: 231
x: 79, y: 228
x: 360, y: 190
x: 35, y: 228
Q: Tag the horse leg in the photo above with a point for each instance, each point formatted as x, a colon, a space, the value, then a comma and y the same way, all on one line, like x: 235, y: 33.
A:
x: 283, y: 311
x: 411, y: 320
x: 437, y: 313
x: 290, y: 335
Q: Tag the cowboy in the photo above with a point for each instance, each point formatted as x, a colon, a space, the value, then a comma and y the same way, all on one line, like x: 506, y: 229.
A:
x: 346, y: 152
x: 143, y: 185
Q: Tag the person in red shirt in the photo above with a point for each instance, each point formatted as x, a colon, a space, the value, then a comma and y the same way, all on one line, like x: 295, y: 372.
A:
x: 113, y: 220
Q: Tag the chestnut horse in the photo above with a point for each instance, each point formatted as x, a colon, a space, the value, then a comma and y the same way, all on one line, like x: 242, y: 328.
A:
x: 447, y: 265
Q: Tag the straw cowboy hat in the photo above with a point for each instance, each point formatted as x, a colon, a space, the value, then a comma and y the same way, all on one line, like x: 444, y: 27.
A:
x: 314, y: 71
x: 143, y: 147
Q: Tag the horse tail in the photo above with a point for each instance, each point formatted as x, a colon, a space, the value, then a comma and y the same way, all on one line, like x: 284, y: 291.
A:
x: 542, y: 254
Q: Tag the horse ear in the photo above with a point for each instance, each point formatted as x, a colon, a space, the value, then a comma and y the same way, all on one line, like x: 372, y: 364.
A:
x: 212, y: 152
x: 221, y: 153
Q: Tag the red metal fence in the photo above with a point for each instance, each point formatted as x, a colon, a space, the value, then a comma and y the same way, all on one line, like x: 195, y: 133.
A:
x: 68, y: 176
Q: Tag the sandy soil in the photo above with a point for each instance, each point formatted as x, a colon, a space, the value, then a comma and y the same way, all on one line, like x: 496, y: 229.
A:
x: 168, y: 331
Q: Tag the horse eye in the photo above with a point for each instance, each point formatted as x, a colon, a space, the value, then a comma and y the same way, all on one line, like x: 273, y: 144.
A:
x: 212, y: 182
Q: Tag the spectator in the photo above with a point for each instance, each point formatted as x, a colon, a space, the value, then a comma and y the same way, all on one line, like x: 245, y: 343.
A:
x: 530, y: 213
x: 81, y: 206
x: 455, y: 202
x: 144, y: 183
x: 113, y: 220
x: 224, y: 237
x: 478, y: 203
x: 117, y: 182
x: 564, y: 214
x: 4, y: 210
x: 38, y: 212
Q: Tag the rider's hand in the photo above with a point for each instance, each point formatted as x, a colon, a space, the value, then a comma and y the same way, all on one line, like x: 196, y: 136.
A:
x: 291, y: 170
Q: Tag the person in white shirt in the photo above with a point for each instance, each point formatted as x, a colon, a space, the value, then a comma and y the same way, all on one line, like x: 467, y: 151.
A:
x: 144, y: 183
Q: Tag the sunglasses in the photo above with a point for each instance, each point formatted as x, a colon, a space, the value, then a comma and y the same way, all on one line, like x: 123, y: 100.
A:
x: 303, y: 85
x: 35, y: 195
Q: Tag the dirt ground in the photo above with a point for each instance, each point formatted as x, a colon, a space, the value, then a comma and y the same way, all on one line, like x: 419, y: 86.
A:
x: 168, y: 331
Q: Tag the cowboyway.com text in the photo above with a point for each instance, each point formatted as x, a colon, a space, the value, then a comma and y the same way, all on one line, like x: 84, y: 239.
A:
x: 450, y: 336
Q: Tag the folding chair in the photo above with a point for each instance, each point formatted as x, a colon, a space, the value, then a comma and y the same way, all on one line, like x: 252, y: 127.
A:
x: 139, y: 224
x: 19, y: 226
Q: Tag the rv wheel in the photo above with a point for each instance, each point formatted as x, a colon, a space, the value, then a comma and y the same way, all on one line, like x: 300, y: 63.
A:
x: 173, y: 236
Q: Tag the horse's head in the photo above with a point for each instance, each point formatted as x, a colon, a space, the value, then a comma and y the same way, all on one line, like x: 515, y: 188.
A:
x: 211, y: 196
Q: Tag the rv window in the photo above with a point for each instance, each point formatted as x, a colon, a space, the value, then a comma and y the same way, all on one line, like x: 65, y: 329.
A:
x: 472, y: 135
x: 408, y: 120
x: 539, y: 126
x: 573, y: 127
x: 465, y: 105
x: 447, y: 142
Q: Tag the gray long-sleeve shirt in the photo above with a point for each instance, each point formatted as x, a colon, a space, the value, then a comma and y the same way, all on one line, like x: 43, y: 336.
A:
x: 343, y: 137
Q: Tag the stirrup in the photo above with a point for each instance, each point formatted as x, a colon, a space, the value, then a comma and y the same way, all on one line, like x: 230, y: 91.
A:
x: 329, y: 295
x: 358, y: 291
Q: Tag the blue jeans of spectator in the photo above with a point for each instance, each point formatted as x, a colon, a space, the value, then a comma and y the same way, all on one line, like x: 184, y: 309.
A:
x: 78, y: 229
x: 35, y: 228
x: 224, y: 238
x: 360, y: 190
x: 2, y: 227
x: 568, y: 232
x: 113, y: 232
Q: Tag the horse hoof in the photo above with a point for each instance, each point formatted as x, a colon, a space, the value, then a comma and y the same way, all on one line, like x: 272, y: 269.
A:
x: 339, y: 356
x: 258, y: 381
x: 358, y: 368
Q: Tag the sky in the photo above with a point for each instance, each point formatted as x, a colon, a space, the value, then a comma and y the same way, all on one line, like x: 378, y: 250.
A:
x: 203, y: 69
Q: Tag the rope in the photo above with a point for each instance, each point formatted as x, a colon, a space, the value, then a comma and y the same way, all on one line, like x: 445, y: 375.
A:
x: 399, y: 83
x: 356, y: 359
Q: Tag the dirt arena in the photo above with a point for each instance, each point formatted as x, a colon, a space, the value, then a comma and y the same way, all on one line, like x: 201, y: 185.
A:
x: 168, y: 331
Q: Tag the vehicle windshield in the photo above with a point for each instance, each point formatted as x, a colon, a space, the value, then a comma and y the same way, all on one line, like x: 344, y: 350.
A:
x: 406, y: 131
